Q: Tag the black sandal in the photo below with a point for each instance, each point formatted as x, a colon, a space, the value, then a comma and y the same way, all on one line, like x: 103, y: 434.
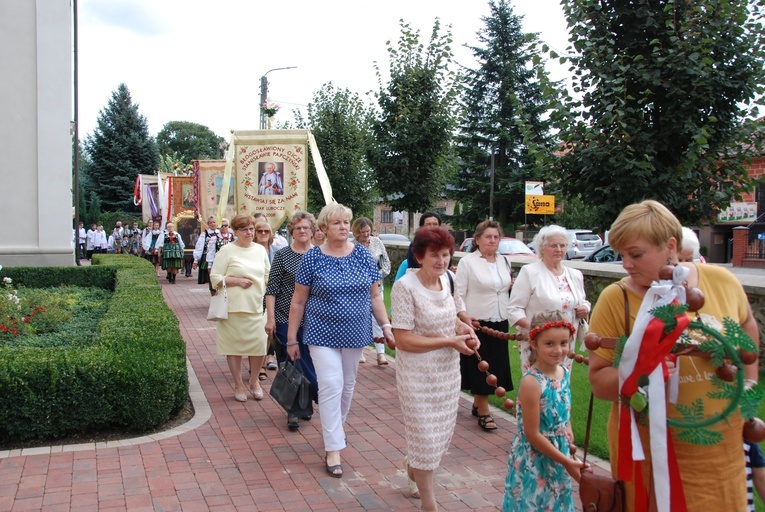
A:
x: 486, y: 422
x: 293, y: 423
x: 333, y: 470
x: 262, y: 375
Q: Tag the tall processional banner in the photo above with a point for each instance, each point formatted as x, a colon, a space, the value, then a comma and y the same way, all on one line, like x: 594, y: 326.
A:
x: 208, y: 183
x: 268, y: 170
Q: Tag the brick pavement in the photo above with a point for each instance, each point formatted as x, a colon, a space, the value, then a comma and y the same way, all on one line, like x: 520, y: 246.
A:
x: 240, y: 456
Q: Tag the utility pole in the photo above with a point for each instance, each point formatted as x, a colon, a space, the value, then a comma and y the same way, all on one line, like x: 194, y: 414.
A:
x: 264, y: 94
x: 491, y: 191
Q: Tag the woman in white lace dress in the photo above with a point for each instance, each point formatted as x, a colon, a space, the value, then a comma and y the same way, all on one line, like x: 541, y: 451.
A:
x: 429, y: 340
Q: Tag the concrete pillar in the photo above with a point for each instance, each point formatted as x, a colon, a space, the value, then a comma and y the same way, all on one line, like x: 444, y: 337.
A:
x: 740, y: 245
x: 35, y: 133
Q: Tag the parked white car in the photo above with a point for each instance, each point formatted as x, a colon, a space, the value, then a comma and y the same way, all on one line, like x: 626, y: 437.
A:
x: 583, y: 243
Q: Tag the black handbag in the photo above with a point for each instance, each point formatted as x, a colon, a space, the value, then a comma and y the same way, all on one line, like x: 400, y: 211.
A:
x: 292, y: 390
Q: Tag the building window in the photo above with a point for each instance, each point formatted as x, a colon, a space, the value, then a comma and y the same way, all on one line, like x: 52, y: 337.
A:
x: 386, y: 216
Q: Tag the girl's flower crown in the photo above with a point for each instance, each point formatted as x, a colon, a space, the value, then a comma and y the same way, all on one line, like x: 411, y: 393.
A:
x: 533, y: 333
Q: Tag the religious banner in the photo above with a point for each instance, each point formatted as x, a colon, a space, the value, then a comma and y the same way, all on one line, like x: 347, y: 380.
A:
x: 183, y: 194
x: 540, y: 205
x: 269, y: 171
x: 208, y: 183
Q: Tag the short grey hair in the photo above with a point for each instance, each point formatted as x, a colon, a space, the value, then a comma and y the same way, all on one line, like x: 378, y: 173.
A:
x: 541, y: 238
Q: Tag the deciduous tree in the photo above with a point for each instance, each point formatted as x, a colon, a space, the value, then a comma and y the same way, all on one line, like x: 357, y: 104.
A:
x: 191, y: 141
x: 119, y: 149
x: 410, y: 148
x: 666, y: 87
x: 338, y: 120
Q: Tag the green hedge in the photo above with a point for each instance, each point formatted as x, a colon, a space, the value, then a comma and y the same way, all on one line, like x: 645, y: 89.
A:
x: 134, y: 378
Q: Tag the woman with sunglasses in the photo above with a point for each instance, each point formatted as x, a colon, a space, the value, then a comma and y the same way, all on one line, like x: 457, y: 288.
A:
x: 264, y: 236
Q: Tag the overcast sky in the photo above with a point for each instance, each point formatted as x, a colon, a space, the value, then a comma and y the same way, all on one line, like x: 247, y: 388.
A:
x: 201, y: 61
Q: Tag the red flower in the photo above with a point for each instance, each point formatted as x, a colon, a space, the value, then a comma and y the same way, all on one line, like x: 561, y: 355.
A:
x: 293, y: 182
x: 25, y: 319
x: 15, y: 332
x: 3, y: 328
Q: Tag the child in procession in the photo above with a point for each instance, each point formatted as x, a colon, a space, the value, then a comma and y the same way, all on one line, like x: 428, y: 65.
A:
x: 540, y: 467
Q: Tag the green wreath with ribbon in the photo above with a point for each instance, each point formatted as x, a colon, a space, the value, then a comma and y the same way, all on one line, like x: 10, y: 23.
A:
x: 720, y: 348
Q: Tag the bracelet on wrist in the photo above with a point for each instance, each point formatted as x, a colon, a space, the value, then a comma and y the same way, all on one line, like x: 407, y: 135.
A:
x: 383, y: 326
x: 293, y: 344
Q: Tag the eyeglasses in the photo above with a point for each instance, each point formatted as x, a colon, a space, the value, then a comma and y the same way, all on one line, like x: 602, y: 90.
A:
x: 246, y: 229
x: 224, y: 225
x: 264, y: 231
x: 301, y: 228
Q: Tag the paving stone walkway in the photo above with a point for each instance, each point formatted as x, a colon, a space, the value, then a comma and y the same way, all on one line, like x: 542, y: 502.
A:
x: 240, y: 456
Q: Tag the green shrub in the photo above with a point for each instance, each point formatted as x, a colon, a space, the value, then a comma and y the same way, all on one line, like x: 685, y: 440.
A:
x: 132, y: 376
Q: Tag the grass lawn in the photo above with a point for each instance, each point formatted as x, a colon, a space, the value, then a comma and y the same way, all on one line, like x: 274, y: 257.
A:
x: 580, y: 390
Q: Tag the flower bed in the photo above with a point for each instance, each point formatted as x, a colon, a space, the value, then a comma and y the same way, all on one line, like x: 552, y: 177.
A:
x: 132, y: 376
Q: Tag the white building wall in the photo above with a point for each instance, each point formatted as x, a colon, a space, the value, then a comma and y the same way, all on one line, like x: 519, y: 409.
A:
x: 35, y: 139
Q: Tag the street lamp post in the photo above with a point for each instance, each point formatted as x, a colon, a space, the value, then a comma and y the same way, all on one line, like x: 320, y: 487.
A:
x: 264, y: 94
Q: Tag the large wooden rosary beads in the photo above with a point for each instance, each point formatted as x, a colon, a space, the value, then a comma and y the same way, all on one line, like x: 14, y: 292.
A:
x: 483, y: 366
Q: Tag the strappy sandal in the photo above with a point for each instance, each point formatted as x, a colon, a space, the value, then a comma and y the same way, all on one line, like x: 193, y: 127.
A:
x: 486, y: 422
x: 262, y: 374
x: 474, y: 412
x: 413, y: 491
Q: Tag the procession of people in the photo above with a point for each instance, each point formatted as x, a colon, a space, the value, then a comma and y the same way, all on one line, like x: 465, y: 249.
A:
x: 318, y: 301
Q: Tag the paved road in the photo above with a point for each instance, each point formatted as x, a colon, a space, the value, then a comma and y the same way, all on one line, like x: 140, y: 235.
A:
x: 240, y: 456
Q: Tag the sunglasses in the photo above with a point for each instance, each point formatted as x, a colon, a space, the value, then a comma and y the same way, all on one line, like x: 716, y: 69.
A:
x: 224, y: 225
x: 264, y: 232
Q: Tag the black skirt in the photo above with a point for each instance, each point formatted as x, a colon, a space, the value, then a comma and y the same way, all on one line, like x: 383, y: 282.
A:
x: 494, y: 351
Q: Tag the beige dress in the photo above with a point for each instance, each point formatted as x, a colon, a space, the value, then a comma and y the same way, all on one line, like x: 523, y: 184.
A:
x: 244, y: 333
x: 428, y: 383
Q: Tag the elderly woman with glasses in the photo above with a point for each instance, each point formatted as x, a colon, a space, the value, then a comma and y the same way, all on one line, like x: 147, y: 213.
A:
x: 336, y: 295
x: 243, y: 267
x: 281, y: 287
x: 548, y: 285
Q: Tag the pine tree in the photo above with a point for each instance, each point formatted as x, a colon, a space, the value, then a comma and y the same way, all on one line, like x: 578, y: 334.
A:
x: 502, y: 111
x: 119, y: 149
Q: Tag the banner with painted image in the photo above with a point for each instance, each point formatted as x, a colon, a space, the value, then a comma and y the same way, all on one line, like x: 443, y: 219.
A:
x: 269, y: 170
x: 208, y: 183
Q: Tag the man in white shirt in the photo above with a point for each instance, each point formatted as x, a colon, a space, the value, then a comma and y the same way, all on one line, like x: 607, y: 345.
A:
x: 90, y: 241
x: 82, y: 238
